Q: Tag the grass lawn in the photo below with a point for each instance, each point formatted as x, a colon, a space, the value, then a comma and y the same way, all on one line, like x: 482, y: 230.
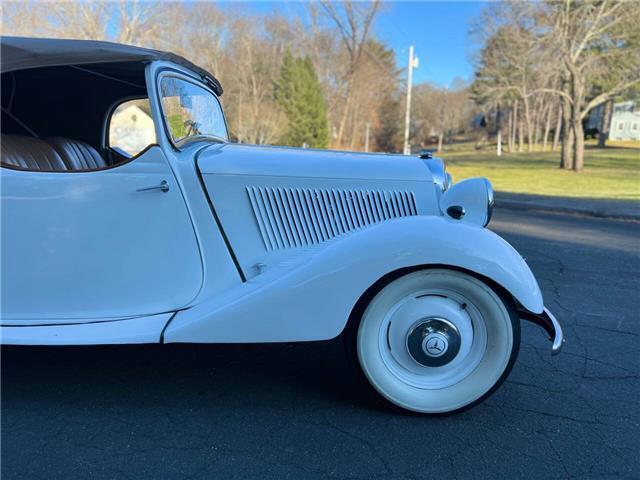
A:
x: 613, y: 172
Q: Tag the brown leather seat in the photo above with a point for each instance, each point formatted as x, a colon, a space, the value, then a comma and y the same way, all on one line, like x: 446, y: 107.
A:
x: 77, y: 155
x: 30, y: 153
x: 56, y: 154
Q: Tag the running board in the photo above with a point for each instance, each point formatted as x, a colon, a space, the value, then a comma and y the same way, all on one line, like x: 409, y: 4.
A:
x: 132, y: 330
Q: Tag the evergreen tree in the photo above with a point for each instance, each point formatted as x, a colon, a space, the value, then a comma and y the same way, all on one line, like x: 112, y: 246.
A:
x: 297, y: 90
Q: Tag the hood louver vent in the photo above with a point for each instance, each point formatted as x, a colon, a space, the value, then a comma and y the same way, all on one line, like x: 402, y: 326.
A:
x: 296, y: 217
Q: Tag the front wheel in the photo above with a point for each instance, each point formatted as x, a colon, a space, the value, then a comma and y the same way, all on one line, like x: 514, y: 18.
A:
x: 436, y: 341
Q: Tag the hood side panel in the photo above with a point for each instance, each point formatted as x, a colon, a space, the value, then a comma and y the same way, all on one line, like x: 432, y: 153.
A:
x: 275, y: 202
x: 267, y: 219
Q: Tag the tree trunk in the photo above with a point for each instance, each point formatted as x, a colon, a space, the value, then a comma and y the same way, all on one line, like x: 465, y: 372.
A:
x: 605, y: 124
x: 515, y: 124
x: 556, y: 134
x: 520, y: 135
x: 367, y: 128
x: 567, y: 136
x: 345, y: 115
x: 577, y: 97
x: 499, y: 133
x: 578, y: 149
x: 509, y: 129
x: 527, y: 117
x: 537, y: 130
x: 354, y: 131
x: 547, y: 127
x: 440, y: 140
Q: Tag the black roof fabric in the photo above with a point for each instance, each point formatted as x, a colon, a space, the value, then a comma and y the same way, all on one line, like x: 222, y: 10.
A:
x: 21, y: 53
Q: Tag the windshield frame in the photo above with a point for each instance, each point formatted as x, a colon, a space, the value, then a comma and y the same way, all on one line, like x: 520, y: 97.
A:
x: 181, y: 143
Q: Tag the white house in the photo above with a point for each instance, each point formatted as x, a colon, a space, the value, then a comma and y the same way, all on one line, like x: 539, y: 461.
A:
x: 625, y: 122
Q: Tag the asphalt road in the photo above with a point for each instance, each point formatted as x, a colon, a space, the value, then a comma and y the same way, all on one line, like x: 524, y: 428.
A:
x: 290, y: 411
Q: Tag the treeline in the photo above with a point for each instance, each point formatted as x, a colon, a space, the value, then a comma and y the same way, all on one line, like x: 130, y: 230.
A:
x: 322, y: 80
x: 545, y: 65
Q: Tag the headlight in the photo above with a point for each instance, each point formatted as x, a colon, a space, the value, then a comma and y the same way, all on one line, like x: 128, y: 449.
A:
x: 470, y: 200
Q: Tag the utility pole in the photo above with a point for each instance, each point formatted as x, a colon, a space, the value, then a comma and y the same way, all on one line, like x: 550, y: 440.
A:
x: 413, y: 63
x: 499, y: 134
x: 366, y: 137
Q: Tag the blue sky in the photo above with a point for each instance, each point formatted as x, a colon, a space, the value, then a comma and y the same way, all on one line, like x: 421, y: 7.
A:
x: 438, y: 31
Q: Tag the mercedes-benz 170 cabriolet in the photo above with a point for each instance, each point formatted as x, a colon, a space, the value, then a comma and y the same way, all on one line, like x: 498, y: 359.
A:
x: 129, y: 217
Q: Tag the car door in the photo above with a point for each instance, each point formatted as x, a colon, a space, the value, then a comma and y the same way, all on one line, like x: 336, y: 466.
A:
x: 91, y: 245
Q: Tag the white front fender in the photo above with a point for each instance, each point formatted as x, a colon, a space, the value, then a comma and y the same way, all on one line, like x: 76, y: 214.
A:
x: 312, y: 296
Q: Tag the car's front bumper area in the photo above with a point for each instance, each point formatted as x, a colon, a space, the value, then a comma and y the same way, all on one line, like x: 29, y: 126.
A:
x: 547, y: 321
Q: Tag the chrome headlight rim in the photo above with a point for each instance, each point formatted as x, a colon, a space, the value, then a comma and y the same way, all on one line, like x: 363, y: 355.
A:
x: 490, y: 201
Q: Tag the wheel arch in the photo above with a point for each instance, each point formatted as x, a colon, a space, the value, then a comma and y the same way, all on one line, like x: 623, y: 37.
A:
x: 363, y: 301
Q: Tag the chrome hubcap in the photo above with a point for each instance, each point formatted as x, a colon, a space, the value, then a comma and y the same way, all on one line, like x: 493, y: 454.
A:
x: 433, y: 342
x: 432, y: 339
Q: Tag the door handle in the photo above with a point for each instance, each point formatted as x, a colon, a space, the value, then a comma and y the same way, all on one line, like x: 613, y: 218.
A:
x: 164, y: 186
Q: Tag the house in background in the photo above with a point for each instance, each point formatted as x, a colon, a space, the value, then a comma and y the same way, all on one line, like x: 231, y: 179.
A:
x: 625, y: 121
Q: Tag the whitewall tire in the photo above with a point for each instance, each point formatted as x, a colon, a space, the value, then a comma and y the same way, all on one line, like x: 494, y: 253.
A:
x: 436, y: 341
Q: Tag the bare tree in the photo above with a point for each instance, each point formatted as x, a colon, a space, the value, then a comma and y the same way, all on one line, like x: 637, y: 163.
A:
x: 254, y: 60
x: 353, y: 21
x: 440, y: 113
x: 512, y: 64
x: 131, y: 21
x: 357, y: 73
x: 584, y: 52
x: 598, y: 45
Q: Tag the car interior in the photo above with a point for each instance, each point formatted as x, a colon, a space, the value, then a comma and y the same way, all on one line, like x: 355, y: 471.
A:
x: 56, y: 119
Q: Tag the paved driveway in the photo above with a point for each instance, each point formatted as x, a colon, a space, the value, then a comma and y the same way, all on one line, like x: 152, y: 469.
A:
x: 289, y: 411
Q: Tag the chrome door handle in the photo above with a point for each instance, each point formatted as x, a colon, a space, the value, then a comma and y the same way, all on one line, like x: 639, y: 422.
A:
x: 164, y: 186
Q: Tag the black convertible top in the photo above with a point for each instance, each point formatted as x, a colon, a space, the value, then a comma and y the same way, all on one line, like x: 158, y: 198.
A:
x: 21, y: 53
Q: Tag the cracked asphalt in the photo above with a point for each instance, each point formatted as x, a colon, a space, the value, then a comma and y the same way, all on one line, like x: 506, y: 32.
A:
x: 291, y: 411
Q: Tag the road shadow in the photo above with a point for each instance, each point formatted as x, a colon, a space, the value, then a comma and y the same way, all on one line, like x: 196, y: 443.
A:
x: 171, y: 374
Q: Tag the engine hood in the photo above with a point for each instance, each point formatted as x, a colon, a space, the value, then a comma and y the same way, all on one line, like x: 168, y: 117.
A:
x: 254, y: 160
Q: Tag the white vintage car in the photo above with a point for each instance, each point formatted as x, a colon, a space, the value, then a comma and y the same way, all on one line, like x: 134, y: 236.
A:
x: 128, y: 217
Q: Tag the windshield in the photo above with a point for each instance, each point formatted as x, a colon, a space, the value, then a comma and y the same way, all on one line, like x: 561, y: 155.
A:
x: 191, y: 111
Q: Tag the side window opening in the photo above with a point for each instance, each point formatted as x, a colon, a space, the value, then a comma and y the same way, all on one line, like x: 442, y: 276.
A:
x: 53, y: 117
x: 131, y: 128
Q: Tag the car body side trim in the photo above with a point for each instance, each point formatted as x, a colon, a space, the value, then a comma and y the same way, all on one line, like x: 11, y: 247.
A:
x: 130, y: 331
